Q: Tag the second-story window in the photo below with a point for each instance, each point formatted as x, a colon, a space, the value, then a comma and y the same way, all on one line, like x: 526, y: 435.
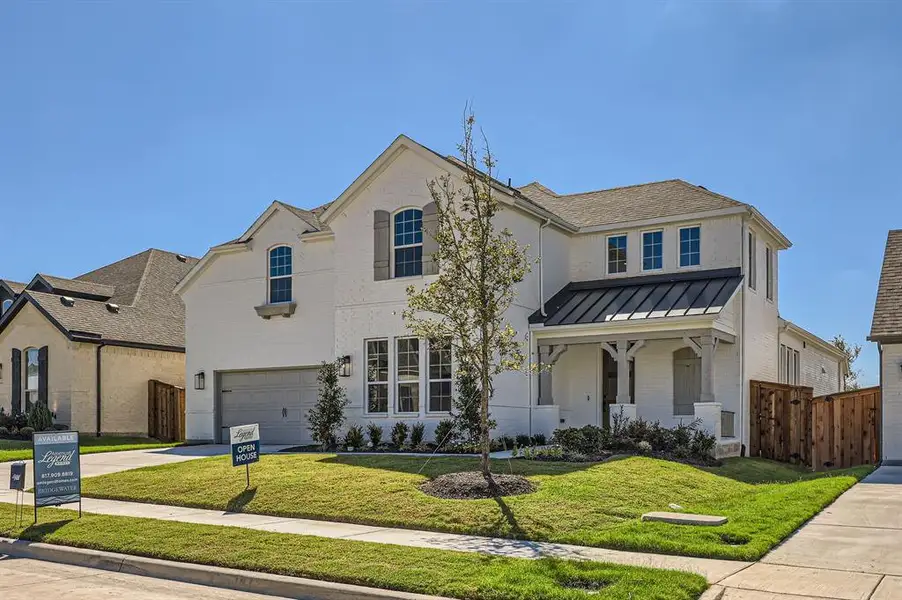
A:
x: 753, y: 262
x: 652, y: 250
x: 616, y: 254
x: 690, y: 246
x: 407, y: 235
x: 280, y: 274
x: 769, y: 266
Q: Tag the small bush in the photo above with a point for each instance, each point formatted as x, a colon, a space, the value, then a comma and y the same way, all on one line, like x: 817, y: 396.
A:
x: 504, y: 442
x: 417, y: 433
x: 643, y: 447
x: 39, y: 418
x: 354, y: 438
x: 26, y: 432
x: 4, y: 432
x: 60, y: 427
x: 702, y: 445
x: 328, y: 414
x: 374, y: 432
x: 444, y: 433
x: 539, y: 439
x: 523, y: 440
x: 399, y: 434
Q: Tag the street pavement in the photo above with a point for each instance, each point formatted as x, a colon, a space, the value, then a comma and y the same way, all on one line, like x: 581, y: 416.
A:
x: 27, y: 579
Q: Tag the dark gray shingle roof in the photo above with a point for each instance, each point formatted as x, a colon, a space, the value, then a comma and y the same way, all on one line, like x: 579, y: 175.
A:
x: 630, y: 203
x: 62, y: 285
x: 887, y: 320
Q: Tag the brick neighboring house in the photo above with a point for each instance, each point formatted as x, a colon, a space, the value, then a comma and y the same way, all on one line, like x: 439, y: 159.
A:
x: 886, y: 330
x: 86, y: 347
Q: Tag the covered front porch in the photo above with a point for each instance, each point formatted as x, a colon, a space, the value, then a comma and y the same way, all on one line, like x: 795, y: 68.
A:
x: 660, y: 350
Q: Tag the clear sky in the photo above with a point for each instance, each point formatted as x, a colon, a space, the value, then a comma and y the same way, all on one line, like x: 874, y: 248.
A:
x: 130, y: 125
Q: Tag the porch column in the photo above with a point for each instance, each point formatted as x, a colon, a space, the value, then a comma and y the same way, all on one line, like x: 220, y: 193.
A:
x: 708, y: 346
x: 623, y: 372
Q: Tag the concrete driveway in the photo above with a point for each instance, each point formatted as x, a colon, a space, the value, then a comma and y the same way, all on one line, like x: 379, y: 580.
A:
x: 850, y: 551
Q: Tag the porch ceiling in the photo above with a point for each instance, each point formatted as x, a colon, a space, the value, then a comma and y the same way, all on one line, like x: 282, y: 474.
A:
x: 650, y: 297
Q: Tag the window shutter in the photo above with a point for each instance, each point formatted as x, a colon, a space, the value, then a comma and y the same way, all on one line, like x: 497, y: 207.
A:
x: 430, y: 246
x: 42, y: 375
x: 15, y: 367
x: 381, y: 245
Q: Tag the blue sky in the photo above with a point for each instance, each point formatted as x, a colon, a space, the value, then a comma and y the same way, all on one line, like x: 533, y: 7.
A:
x: 131, y: 125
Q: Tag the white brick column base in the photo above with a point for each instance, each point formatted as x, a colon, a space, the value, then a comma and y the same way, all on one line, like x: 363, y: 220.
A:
x: 709, y: 413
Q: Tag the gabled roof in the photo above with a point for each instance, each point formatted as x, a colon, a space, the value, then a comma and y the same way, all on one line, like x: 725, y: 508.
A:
x: 142, y: 309
x: 71, y: 287
x: 887, y: 322
x: 13, y: 286
x: 822, y: 344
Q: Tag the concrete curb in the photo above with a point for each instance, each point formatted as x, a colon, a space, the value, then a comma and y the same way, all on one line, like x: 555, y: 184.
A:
x: 220, y: 577
x: 715, y: 592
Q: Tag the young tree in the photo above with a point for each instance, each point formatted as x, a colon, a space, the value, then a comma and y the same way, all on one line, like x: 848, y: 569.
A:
x: 327, y: 417
x: 851, y: 352
x: 479, y: 268
x: 466, y: 408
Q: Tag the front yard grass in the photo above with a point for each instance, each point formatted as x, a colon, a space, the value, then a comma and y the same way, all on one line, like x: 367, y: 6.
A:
x: 447, y: 573
x: 594, y: 504
x: 21, y: 449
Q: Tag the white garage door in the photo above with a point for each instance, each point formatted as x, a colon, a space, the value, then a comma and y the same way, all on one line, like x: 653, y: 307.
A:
x: 277, y: 399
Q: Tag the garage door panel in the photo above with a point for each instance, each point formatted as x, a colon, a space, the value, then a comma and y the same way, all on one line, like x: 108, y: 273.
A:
x: 278, y: 400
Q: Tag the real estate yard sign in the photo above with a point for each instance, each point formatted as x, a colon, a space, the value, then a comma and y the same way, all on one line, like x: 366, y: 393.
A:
x: 57, y: 470
x: 245, y: 441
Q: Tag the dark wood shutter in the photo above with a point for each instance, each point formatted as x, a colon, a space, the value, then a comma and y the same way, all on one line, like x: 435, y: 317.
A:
x: 381, y: 245
x: 42, y: 375
x: 16, y: 380
x: 430, y: 246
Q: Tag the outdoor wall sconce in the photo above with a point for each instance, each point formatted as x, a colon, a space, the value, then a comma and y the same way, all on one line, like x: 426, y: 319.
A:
x: 344, y: 363
x: 199, y: 380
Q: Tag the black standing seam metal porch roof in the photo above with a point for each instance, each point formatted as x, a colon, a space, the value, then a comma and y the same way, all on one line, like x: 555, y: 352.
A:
x: 644, y: 297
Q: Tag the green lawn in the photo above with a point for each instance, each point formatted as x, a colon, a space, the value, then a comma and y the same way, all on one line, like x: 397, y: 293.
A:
x: 21, y: 450
x: 420, y: 570
x: 589, y: 504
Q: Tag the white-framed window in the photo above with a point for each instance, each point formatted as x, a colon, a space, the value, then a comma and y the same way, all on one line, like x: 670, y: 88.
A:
x: 769, y: 266
x: 652, y: 250
x: 280, y: 274
x: 440, y: 375
x: 32, y: 379
x: 790, y: 365
x: 690, y: 246
x: 407, y: 242
x: 617, y: 254
x: 753, y: 262
x: 377, y: 376
x: 6, y: 305
x: 407, y: 375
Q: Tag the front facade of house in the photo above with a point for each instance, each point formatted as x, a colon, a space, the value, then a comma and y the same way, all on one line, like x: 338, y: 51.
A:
x: 886, y: 331
x: 86, y: 347
x: 657, y: 301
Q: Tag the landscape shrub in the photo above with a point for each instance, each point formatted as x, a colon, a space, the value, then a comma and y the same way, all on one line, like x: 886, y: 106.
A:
x: 26, y: 432
x: 399, y: 434
x: 685, y: 441
x: 444, y: 433
x: 374, y: 432
x: 354, y: 438
x: 327, y: 416
x: 417, y: 433
x: 523, y: 440
x: 539, y: 439
x: 466, y: 409
x: 39, y: 418
x: 503, y: 442
x: 4, y: 432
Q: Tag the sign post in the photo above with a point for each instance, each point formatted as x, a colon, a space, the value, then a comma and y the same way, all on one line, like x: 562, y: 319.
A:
x: 57, y: 469
x: 17, y: 482
x: 245, y: 442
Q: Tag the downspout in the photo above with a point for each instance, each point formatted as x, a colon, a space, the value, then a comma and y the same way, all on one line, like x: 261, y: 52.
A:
x: 99, y: 348
x: 744, y: 388
x: 541, y: 312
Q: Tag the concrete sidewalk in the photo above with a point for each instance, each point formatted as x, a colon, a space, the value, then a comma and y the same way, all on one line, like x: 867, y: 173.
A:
x: 714, y: 570
x: 850, y: 551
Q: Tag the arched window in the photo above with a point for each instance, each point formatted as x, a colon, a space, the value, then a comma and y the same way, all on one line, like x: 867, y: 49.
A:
x: 280, y: 274
x: 407, y: 232
x: 6, y: 304
x: 32, y: 377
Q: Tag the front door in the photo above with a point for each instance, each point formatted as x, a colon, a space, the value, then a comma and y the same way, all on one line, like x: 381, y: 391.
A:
x: 687, y: 381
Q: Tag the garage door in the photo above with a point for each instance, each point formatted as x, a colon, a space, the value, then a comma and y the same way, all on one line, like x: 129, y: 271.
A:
x: 276, y: 399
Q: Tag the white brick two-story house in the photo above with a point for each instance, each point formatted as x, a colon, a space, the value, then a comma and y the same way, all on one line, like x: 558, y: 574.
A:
x: 657, y: 300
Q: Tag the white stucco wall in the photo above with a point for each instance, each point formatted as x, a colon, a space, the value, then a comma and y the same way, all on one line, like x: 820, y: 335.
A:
x: 719, y: 249
x: 891, y: 379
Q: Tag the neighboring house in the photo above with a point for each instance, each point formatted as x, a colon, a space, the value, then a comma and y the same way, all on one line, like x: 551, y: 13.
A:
x: 86, y: 347
x: 886, y: 330
x: 659, y: 300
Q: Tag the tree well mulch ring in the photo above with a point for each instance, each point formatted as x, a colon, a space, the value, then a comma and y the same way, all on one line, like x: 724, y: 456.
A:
x: 473, y: 485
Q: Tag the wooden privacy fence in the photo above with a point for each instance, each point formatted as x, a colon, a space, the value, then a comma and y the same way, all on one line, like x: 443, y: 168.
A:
x: 165, y: 411
x: 837, y: 430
